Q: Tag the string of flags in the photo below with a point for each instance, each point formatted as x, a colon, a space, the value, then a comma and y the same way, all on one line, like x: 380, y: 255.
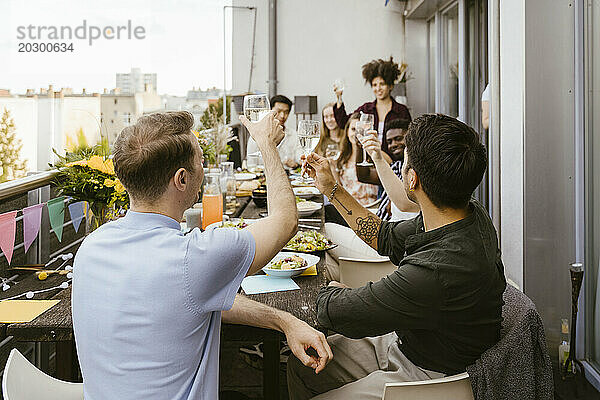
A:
x: 32, y: 219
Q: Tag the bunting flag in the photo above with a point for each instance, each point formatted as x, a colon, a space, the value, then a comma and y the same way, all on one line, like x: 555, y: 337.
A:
x: 76, y: 212
x: 32, y: 218
x: 56, y: 210
x: 8, y: 227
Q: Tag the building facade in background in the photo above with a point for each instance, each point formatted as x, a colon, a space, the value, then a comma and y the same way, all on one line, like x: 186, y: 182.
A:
x: 135, y: 81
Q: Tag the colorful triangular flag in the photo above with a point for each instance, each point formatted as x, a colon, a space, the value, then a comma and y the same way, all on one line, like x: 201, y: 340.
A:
x: 8, y: 227
x: 77, y: 213
x: 56, y: 211
x: 32, y: 218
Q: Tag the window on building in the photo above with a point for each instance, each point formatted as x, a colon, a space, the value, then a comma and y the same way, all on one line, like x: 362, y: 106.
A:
x: 449, y: 60
x: 592, y: 185
x: 431, y: 64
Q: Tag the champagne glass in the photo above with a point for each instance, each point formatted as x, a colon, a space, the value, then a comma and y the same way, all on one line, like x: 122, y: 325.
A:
x: 256, y: 106
x: 332, y: 151
x: 364, y: 125
x: 309, y: 134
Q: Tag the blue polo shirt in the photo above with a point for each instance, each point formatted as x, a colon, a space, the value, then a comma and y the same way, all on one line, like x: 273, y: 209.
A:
x: 147, y: 304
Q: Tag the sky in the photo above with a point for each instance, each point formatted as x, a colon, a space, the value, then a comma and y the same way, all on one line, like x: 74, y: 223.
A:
x: 182, y: 44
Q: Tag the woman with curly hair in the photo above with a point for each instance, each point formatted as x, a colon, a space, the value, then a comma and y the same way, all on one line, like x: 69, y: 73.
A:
x: 381, y: 75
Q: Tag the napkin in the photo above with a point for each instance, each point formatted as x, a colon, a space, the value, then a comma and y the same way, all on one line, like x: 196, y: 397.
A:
x: 265, y: 284
x: 12, y: 311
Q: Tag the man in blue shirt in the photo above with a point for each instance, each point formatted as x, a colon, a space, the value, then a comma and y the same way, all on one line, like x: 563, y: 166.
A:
x: 147, y: 300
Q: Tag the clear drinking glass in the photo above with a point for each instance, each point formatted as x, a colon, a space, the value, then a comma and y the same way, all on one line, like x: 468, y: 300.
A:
x: 364, y: 125
x: 212, y: 200
x: 309, y: 134
x: 332, y: 151
x: 228, y: 187
x: 338, y: 85
x: 256, y: 106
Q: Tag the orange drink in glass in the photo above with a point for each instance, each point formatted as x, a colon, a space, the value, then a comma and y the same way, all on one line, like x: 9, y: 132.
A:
x: 212, y: 209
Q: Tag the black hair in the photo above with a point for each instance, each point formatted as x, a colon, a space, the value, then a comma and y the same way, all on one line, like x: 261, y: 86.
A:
x: 388, y: 70
x: 448, y: 157
x: 281, y: 99
x: 393, y: 124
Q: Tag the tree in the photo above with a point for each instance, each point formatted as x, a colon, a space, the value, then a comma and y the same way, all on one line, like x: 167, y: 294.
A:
x: 11, y: 166
x: 213, y: 115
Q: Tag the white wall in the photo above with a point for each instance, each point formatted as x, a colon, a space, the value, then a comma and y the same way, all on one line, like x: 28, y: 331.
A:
x: 25, y: 115
x: 317, y: 42
x: 512, y: 53
x: 416, y: 54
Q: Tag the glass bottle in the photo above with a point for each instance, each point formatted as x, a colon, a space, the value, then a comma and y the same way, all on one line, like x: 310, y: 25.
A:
x: 228, y: 186
x: 212, y: 200
x: 563, y: 347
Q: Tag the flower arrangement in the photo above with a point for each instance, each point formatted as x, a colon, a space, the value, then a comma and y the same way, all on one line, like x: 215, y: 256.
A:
x: 92, y: 179
x: 212, y: 134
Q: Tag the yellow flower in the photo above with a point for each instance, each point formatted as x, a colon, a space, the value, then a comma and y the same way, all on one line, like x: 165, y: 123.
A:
x: 97, y: 163
x: 109, y: 182
x: 119, y: 186
x: 197, y: 134
x: 109, y: 166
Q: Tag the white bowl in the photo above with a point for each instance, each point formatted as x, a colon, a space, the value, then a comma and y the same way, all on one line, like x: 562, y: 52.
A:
x: 244, y: 176
x: 306, y: 192
x: 288, y: 273
x: 306, y: 208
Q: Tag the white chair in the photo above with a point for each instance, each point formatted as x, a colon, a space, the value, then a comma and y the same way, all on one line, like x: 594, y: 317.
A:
x: 23, y: 381
x: 455, y: 387
x: 356, y: 272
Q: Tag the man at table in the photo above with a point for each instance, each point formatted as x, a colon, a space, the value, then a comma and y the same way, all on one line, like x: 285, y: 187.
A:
x: 289, y: 148
x: 148, y: 300
x: 442, y: 308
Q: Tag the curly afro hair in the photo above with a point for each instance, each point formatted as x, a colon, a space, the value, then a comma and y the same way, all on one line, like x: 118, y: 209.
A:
x: 388, y: 70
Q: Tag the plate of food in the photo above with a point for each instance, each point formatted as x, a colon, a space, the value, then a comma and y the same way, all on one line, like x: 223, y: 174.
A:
x: 236, y: 223
x: 307, y: 207
x: 287, y: 265
x: 297, y: 182
x: 306, y: 192
x: 244, y: 176
x: 309, y: 242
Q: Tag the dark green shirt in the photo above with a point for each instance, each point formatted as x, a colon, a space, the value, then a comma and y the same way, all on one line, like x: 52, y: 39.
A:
x: 444, y: 301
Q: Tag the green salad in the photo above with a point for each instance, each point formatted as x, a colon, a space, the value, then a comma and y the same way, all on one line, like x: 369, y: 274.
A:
x: 287, y: 263
x: 237, y: 224
x: 308, y: 241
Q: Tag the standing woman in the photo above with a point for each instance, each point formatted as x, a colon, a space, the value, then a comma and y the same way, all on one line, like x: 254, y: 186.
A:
x: 330, y: 131
x: 381, y: 75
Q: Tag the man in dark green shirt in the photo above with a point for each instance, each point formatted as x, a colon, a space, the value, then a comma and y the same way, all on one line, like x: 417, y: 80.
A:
x: 442, y: 308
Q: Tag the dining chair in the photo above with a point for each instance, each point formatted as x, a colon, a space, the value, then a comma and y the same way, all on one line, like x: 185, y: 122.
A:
x: 23, y: 381
x: 357, y: 272
x: 455, y: 387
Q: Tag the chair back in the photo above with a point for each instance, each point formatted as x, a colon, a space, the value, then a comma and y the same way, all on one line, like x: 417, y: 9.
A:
x: 356, y: 272
x: 23, y: 381
x: 455, y: 387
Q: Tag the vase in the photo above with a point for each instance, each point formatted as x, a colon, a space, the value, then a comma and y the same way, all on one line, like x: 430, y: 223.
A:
x: 100, y: 214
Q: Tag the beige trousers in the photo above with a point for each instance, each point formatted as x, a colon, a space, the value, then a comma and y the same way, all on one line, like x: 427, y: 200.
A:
x: 359, y: 370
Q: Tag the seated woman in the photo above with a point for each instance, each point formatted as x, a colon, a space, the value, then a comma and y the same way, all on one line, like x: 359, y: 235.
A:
x: 330, y: 131
x: 344, y: 167
x: 381, y: 75
x: 392, y: 148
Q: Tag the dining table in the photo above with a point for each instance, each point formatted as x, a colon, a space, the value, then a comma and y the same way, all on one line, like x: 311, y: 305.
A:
x: 56, y: 325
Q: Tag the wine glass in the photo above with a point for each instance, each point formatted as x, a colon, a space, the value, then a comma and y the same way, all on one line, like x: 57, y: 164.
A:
x: 338, y: 85
x: 363, y: 125
x: 308, y: 135
x: 256, y: 106
x: 332, y: 151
